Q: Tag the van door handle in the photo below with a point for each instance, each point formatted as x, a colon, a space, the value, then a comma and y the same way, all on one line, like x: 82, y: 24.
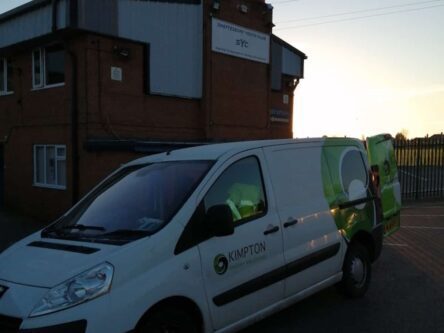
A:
x: 290, y: 223
x: 271, y: 230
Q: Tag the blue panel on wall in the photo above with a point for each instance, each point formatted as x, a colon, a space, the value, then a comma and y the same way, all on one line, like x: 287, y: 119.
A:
x: 174, y: 32
x: 31, y: 24
x: 292, y: 63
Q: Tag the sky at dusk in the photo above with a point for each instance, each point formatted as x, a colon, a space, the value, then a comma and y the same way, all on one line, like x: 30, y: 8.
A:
x: 373, y: 66
x: 369, y: 71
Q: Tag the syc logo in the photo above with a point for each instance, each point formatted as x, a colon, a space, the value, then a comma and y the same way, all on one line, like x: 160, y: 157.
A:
x: 220, y: 264
x: 2, y: 290
x: 242, y: 43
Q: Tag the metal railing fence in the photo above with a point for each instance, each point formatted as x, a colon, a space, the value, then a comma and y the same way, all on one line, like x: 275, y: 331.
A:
x: 421, y: 167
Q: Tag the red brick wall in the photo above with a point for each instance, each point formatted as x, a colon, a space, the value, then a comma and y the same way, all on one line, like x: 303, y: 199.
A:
x: 30, y: 117
x: 20, y: 194
x: 236, y: 105
x: 122, y: 109
x: 238, y: 94
x: 278, y: 129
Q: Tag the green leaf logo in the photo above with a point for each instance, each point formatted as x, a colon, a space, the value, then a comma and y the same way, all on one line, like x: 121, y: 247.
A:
x: 220, y: 264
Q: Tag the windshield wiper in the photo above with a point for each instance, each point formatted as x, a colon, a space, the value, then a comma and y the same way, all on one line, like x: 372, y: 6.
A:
x: 60, y: 231
x: 82, y: 227
x: 117, y: 237
x: 124, y: 234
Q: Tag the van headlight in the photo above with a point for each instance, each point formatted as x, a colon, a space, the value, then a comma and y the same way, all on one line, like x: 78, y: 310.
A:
x: 81, y: 288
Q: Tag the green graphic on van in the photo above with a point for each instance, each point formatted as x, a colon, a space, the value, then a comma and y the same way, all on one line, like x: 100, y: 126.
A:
x: 381, y: 156
x: 220, y: 264
x: 345, y: 181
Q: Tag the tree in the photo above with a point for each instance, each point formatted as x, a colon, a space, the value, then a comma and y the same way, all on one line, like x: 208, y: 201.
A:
x: 402, y: 136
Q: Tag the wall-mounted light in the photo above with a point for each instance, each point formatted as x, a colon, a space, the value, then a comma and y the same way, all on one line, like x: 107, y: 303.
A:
x: 216, y: 4
x: 243, y: 9
x: 292, y: 84
x: 121, y: 52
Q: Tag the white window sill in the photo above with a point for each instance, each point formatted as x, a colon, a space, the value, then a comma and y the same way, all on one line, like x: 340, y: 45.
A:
x: 50, y: 186
x: 6, y: 93
x: 48, y: 86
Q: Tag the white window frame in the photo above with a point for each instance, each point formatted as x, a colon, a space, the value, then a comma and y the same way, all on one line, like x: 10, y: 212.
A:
x: 42, y: 70
x: 4, y: 63
x: 42, y: 85
x: 57, y: 158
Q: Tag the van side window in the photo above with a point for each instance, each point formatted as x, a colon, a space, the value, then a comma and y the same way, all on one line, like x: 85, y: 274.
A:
x: 241, y: 188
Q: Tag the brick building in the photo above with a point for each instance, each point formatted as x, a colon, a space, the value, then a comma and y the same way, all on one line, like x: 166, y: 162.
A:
x: 86, y: 85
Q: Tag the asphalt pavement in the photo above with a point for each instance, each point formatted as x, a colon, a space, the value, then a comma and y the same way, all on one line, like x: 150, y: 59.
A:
x: 406, y: 293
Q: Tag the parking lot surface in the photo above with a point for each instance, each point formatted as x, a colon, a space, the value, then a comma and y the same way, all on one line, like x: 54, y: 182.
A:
x: 406, y: 293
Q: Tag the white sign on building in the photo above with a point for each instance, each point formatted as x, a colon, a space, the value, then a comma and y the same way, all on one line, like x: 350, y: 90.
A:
x: 116, y: 74
x: 237, y: 41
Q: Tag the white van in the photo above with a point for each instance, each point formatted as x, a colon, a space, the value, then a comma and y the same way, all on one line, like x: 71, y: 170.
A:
x: 205, y: 239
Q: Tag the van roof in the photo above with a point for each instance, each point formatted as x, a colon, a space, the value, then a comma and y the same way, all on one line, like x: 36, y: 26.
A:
x: 215, y: 151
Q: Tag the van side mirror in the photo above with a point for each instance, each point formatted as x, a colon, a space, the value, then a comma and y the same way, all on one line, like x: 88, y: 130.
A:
x: 220, y: 220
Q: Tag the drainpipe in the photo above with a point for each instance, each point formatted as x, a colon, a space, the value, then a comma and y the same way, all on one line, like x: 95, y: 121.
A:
x: 73, y: 111
x: 74, y: 128
x: 54, y: 15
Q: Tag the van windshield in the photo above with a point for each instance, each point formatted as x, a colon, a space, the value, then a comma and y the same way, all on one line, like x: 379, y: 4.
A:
x: 135, y: 202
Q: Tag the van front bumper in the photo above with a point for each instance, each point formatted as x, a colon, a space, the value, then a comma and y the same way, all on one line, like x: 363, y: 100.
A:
x: 73, y: 327
x: 12, y: 325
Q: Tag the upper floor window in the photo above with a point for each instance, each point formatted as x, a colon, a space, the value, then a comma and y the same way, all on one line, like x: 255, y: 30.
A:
x: 5, y: 76
x: 48, y: 66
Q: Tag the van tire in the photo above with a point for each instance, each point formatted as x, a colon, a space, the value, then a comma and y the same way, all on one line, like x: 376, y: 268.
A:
x: 171, y: 320
x: 356, y: 271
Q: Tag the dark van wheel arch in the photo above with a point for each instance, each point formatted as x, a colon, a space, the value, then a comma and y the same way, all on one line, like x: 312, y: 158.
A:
x: 174, y: 315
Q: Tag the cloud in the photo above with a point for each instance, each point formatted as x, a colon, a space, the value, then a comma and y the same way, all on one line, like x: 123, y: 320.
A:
x: 425, y: 91
x: 390, y: 94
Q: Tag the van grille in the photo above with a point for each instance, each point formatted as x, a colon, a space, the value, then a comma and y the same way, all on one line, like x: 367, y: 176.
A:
x: 9, y: 324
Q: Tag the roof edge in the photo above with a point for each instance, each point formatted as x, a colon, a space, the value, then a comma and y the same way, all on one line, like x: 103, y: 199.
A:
x: 288, y: 46
x: 61, y: 33
x: 25, y: 8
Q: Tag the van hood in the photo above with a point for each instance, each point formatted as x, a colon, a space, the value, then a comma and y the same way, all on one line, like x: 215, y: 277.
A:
x: 45, y: 262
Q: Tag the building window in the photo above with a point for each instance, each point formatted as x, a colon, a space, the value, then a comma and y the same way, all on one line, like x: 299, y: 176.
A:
x: 5, y: 76
x: 48, y: 66
x: 50, y: 166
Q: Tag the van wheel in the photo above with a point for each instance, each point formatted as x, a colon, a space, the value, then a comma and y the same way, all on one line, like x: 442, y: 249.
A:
x: 171, y: 320
x: 356, y: 271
